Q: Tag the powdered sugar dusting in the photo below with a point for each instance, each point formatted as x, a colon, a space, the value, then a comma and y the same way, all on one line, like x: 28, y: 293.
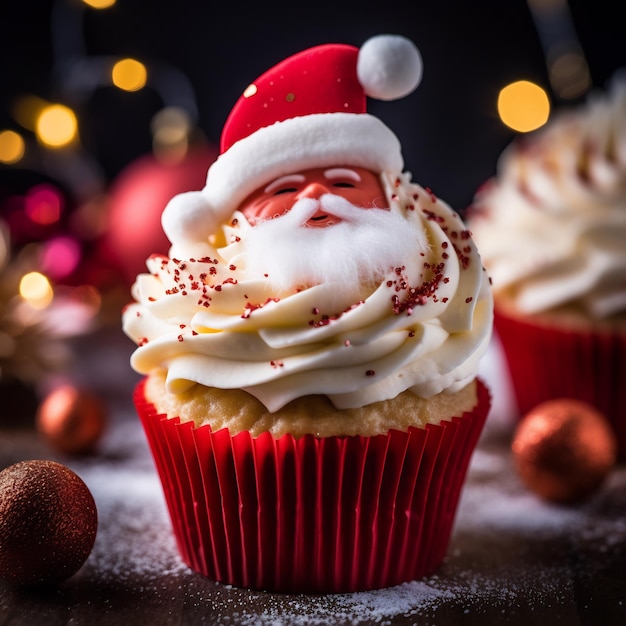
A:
x: 511, y: 554
x: 510, y: 551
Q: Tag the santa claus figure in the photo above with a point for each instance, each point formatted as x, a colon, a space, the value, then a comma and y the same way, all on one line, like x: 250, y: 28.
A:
x: 307, y: 217
x: 299, y: 153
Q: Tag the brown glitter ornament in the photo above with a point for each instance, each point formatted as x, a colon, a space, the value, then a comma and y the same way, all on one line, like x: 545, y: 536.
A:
x: 48, y: 523
x: 564, y: 449
x: 71, y: 419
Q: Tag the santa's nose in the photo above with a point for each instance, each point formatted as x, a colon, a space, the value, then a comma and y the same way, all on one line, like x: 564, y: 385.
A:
x: 313, y: 190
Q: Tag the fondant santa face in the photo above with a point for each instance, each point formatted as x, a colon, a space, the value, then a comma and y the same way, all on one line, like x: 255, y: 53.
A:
x: 324, y: 225
x: 359, y: 186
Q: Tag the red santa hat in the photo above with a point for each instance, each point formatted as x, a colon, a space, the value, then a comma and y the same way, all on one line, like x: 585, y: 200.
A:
x: 308, y: 111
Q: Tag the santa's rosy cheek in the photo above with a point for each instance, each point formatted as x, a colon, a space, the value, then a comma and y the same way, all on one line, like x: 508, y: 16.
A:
x: 267, y: 208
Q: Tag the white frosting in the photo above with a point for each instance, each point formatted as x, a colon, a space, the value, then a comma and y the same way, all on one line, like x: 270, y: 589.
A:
x: 551, y: 226
x: 424, y: 327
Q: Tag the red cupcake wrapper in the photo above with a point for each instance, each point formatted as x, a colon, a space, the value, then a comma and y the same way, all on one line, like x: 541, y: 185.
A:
x: 548, y: 361
x: 312, y: 515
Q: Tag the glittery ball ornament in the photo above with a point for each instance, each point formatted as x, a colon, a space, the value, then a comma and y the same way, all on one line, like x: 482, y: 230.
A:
x: 563, y: 450
x: 48, y: 523
x: 71, y: 420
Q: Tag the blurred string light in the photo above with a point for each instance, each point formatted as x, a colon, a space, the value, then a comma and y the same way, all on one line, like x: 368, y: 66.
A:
x: 129, y: 75
x: 56, y: 126
x: 43, y: 204
x: 12, y: 147
x: 36, y: 289
x: 171, y: 130
x: 60, y: 256
x: 523, y: 106
x: 568, y: 70
x: 99, y: 4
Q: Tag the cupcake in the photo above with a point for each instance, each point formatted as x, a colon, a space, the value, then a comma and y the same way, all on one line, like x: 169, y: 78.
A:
x: 551, y: 230
x: 310, y: 345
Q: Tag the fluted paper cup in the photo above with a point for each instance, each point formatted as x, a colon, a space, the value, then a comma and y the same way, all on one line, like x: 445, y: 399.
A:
x: 550, y: 360
x: 312, y: 515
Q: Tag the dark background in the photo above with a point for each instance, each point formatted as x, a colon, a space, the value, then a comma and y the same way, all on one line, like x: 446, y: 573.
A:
x: 449, y: 127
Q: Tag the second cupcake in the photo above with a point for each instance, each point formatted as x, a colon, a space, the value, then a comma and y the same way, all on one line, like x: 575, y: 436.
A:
x: 551, y: 229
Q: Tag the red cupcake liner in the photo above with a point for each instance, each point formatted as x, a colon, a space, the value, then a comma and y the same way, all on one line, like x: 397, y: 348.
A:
x: 312, y: 515
x: 549, y: 361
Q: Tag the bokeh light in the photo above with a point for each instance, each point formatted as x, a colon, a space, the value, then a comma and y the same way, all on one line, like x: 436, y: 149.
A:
x: 523, y: 106
x: 26, y: 110
x: 569, y: 75
x: 35, y: 288
x: 171, y: 128
x: 60, y: 256
x: 99, y: 4
x: 129, y: 75
x: 56, y: 126
x: 12, y: 147
x: 43, y: 204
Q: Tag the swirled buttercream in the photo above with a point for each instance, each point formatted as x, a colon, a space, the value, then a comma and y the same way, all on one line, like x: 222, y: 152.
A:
x: 551, y: 225
x: 206, y: 318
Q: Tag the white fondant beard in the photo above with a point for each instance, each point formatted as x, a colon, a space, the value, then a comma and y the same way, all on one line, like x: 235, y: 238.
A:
x: 360, y: 249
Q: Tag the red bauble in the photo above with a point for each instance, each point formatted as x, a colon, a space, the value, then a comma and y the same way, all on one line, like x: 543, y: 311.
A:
x: 48, y: 523
x: 71, y: 420
x: 564, y: 449
x: 137, y: 198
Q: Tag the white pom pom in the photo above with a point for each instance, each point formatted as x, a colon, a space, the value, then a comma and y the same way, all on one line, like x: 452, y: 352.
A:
x: 389, y: 67
x: 188, y: 218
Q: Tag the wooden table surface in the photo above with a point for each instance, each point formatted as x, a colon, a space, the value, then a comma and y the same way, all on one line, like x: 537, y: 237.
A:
x: 513, y: 559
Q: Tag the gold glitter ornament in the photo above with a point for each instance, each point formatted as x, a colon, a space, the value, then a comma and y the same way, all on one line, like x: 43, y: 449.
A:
x: 564, y: 449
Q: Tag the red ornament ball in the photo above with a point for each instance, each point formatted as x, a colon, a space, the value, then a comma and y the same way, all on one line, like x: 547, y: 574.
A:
x: 48, y: 523
x: 71, y: 419
x: 564, y: 449
x: 136, y: 200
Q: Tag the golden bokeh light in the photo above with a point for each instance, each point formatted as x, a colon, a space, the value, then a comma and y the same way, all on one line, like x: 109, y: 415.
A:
x: 12, y: 147
x: 99, y: 4
x: 56, y: 126
x: 523, y: 106
x: 35, y: 288
x: 129, y: 75
x: 171, y: 128
x: 26, y: 109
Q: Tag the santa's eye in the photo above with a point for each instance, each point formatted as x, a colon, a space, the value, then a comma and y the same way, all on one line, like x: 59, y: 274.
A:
x: 343, y: 184
x: 285, y: 190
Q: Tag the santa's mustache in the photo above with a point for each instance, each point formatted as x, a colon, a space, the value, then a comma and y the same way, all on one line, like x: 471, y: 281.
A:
x: 336, y: 206
x: 360, y: 248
